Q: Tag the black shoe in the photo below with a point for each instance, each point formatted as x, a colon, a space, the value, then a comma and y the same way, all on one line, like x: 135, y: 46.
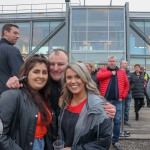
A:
x: 148, y: 106
x: 116, y: 146
x: 137, y: 116
x: 126, y: 132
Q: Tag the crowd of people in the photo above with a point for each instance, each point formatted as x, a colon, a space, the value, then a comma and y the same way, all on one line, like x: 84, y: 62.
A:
x: 45, y: 99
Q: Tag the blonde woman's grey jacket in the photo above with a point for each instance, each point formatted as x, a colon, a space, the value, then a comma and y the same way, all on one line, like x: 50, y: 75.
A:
x: 92, y: 120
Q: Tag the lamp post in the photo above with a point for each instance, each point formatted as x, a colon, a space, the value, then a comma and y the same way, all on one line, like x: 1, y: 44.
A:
x: 110, y: 2
x: 67, y: 24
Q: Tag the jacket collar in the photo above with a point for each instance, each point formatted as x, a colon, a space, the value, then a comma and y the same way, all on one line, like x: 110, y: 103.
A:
x: 3, y: 40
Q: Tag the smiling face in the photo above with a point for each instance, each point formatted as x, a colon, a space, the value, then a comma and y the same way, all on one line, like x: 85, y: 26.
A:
x: 38, y: 76
x: 74, y: 83
x: 12, y: 35
x: 58, y: 63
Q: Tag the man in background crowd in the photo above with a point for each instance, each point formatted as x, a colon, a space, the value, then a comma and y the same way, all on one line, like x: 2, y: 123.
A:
x: 114, y: 86
x: 124, y: 66
x: 10, y: 56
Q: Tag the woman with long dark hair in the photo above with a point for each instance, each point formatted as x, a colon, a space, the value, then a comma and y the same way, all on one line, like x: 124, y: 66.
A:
x: 24, y: 112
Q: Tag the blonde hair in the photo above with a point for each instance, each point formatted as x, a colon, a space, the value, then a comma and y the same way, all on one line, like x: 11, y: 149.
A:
x: 91, y: 64
x: 83, y: 73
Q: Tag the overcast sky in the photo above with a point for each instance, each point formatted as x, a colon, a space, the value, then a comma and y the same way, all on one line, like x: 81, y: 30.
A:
x: 134, y: 5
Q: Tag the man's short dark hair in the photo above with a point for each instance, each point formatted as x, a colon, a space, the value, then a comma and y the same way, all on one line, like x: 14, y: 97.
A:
x: 137, y: 65
x: 7, y: 27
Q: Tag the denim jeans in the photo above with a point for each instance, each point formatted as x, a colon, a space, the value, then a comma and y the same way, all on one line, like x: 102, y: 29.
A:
x: 127, y: 107
x: 38, y: 144
x: 116, y: 120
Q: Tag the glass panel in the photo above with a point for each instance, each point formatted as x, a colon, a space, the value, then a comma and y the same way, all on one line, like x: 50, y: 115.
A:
x: 58, y: 41
x: 78, y: 26
x: 96, y: 57
x: 79, y: 15
x: 116, y: 15
x: 78, y: 36
x: 137, y: 45
x: 117, y: 46
x: 147, y: 29
x: 97, y: 15
x: 116, y: 36
x: 140, y: 25
x: 97, y: 36
x: 23, y: 41
x: 98, y: 26
x: 82, y: 46
x: 41, y: 30
x: 116, y: 26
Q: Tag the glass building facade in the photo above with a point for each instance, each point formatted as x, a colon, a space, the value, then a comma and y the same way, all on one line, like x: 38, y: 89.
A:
x: 94, y: 32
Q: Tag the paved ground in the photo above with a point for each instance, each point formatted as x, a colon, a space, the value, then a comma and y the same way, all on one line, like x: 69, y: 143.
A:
x: 139, y: 138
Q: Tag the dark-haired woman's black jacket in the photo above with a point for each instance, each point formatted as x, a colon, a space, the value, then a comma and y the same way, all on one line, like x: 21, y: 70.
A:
x: 137, y: 85
x: 19, y: 118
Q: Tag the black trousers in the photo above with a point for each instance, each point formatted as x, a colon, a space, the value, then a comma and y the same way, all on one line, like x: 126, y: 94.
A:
x: 138, y: 103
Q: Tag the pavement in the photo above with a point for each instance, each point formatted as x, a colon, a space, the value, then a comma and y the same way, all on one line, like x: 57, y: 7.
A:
x: 139, y: 138
x: 139, y: 129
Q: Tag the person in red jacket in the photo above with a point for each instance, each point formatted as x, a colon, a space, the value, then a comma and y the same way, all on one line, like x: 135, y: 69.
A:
x: 114, y: 86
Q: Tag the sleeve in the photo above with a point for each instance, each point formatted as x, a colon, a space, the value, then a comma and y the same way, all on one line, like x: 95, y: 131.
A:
x: 131, y: 82
x: 52, y: 133
x: 8, y: 105
x: 15, y: 61
x: 103, y: 74
x: 126, y: 88
x: 103, y: 140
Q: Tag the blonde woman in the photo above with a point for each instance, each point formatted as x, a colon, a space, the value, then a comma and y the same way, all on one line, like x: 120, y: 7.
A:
x: 83, y: 122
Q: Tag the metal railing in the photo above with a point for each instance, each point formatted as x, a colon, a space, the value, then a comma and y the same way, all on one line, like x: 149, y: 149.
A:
x: 33, y: 10
x: 29, y: 8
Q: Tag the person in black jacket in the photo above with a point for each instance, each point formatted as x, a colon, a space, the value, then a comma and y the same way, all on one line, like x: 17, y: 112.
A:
x: 137, y: 87
x: 25, y: 112
x: 10, y: 56
x: 83, y: 122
